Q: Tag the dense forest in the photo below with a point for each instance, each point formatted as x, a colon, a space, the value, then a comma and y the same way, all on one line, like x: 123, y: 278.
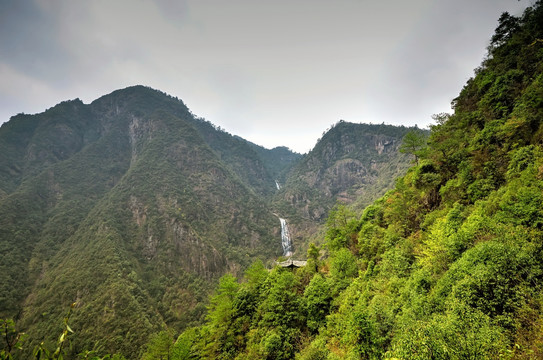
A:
x: 446, y: 265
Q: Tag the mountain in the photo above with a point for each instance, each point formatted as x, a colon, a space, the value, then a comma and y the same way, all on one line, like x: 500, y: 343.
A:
x: 131, y: 208
x: 346, y: 164
x: 446, y: 265
x: 352, y: 164
x: 127, y: 206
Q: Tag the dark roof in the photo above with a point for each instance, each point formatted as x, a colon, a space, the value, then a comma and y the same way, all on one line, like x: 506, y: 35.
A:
x: 292, y: 263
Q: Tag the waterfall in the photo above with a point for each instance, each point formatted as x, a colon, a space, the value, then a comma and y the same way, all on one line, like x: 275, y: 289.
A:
x: 277, y: 185
x: 285, y: 239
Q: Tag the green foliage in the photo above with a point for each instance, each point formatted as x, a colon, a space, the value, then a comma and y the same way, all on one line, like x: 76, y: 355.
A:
x: 462, y: 333
x: 318, y: 298
x: 316, y: 350
x: 15, y: 344
x: 343, y: 267
x: 282, y: 306
x: 255, y: 275
x: 414, y: 143
x: 448, y: 264
x: 12, y: 339
x: 42, y: 352
x: 160, y: 347
x: 426, y: 176
x: 186, y: 345
x: 341, y: 228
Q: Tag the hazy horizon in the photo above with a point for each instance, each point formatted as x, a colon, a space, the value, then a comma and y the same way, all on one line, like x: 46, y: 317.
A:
x: 275, y: 73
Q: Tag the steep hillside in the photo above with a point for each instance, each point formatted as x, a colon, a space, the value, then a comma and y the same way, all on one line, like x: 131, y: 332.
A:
x: 447, y: 265
x: 125, y: 208
x: 352, y: 164
x: 256, y: 166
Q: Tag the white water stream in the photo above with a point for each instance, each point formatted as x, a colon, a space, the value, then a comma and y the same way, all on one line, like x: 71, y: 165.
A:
x: 286, y: 243
x: 277, y: 185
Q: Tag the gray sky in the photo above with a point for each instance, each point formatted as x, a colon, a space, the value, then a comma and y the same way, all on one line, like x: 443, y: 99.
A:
x: 275, y: 72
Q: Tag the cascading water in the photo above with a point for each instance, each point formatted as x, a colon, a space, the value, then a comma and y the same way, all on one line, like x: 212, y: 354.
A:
x: 277, y: 185
x: 285, y: 239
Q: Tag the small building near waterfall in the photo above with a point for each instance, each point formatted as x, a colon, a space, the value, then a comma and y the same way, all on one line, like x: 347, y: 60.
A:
x: 291, y: 264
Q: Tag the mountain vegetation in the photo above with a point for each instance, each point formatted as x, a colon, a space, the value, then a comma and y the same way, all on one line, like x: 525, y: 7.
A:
x: 352, y: 164
x: 447, y: 265
x: 131, y: 208
x: 119, y: 218
x: 127, y: 208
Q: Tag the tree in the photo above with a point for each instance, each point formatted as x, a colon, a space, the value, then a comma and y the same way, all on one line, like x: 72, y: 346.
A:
x: 413, y: 143
x: 159, y: 347
x: 12, y: 339
x: 508, y: 25
x: 318, y: 298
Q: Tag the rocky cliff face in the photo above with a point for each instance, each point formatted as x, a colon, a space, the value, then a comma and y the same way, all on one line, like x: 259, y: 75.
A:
x: 351, y: 164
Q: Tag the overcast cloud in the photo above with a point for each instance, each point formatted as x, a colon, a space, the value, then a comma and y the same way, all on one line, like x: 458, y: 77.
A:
x: 276, y: 72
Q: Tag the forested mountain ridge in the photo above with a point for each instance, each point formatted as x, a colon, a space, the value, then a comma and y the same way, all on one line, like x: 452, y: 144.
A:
x: 122, y: 207
x: 131, y: 208
x: 352, y: 164
x: 447, y: 265
x: 347, y: 159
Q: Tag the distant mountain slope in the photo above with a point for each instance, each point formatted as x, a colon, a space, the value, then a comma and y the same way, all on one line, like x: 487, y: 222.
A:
x: 351, y: 164
x: 30, y: 143
x: 131, y: 208
x: 278, y: 161
x: 123, y: 206
x: 344, y: 163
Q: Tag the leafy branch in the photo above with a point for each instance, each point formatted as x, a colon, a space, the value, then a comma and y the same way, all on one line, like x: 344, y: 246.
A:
x: 41, y: 352
x: 12, y: 339
x: 12, y: 343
